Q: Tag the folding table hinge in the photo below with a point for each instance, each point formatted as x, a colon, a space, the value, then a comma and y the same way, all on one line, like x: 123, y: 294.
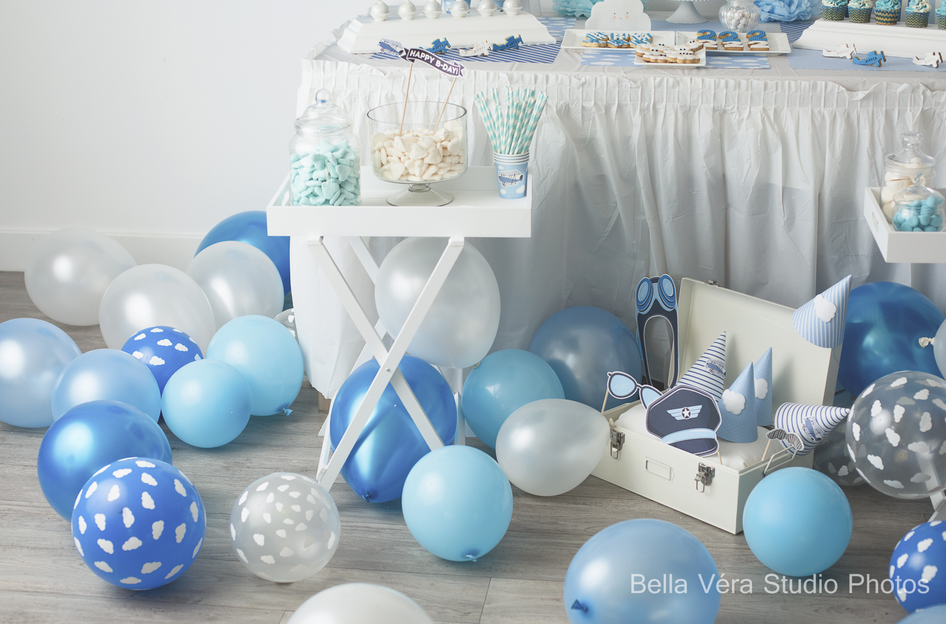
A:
x: 617, y: 442
x: 704, y: 476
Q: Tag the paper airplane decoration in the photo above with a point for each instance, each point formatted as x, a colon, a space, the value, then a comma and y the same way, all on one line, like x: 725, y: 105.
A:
x: 737, y: 409
x: 762, y: 370
x: 821, y: 321
x: 811, y: 423
x: 709, y: 372
x: 657, y: 298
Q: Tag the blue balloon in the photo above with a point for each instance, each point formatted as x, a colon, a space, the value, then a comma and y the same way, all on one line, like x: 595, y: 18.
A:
x: 500, y: 384
x: 933, y: 615
x: 644, y: 571
x: 163, y: 350
x: 32, y: 356
x: 139, y: 523
x: 882, y: 330
x: 797, y: 521
x: 206, y: 403
x: 919, y: 551
x: 86, y: 438
x: 583, y: 345
x: 457, y: 503
x: 267, y: 355
x: 250, y: 227
x: 106, y: 375
x: 390, y: 444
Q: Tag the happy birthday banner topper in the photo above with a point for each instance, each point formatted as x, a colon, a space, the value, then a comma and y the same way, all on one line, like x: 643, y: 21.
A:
x: 451, y: 68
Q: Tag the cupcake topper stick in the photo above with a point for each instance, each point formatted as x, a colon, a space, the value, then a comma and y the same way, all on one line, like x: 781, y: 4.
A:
x: 445, y: 101
x: 400, y: 130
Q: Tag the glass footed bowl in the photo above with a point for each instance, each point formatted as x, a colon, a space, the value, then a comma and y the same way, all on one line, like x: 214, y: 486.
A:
x: 427, y: 147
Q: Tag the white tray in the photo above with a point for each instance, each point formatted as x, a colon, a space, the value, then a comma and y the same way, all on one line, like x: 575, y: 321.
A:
x: 778, y: 44
x: 573, y: 38
x: 700, y: 55
x: 918, y: 247
x: 895, y: 40
x: 477, y: 210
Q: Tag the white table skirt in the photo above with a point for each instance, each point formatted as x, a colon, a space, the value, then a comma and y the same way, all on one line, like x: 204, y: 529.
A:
x: 751, y: 178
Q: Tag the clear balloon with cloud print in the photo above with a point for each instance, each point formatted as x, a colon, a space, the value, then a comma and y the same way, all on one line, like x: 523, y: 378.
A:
x: 831, y: 458
x: 284, y: 527
x: 896, y: 434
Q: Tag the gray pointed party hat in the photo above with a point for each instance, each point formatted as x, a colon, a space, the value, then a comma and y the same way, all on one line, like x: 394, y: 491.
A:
x: 737, y: 409
x: 763, y: 389
x: 821, y: 321
x: 811, y: 423
x: 709, y: 372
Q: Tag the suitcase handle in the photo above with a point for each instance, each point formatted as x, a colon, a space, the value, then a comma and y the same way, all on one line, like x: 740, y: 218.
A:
x: 784, y: 456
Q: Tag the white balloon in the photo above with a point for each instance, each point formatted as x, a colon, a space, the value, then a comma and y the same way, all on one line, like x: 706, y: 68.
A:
x: 359, y: 603
x: 238, y: 279
x: 68, y: 271
x: 462, y: 323
x: 155, y: 294
x: 939, y: 349
x: 549, y: 447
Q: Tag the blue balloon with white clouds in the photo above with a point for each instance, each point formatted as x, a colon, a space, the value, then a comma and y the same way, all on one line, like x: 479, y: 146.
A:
x: 163, y: 350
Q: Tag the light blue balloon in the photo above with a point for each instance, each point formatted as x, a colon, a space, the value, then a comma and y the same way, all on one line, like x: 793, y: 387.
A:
x: 32, y: 356
x: 500, y: 384
x: 86, y: 438
x: 250, y: 227
x: 797, y: 521
x: 457, y: 503
x: 268, y: 357
x: 582, y: 345
x: 643, y: 571
x: 107, y: 375
x: 931, y: 615
x: 206, y: 403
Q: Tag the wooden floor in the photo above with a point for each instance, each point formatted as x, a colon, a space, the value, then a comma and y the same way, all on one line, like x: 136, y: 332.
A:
x: 42, y: 578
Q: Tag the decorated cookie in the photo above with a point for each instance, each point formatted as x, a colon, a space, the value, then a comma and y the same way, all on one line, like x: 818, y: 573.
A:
x: 756, y: 35
x: 728, y: 35
x: 704, y: 35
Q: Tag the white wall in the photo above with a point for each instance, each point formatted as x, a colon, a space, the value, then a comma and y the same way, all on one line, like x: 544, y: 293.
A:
x: 149, y: 121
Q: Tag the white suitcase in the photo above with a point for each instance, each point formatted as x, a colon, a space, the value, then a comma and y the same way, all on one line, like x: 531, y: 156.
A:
x: 700, y: 486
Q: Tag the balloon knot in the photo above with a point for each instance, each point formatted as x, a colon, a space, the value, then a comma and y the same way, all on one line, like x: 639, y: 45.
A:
x: 471, y: 556
x: 368, y: 496
x: 287, y: 411
x: 925, y: 342
x: 579, y: 607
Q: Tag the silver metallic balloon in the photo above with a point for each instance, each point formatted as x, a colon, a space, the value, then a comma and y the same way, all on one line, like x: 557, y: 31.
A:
x: 155, y: 294
x: 896, y: 434
x: 359, y: 603
x: 939, y: 349
x: 285, y: 527
x: 238, y: 279
x: 288, y: 320
x: 68, y: 271
x: 461, y: 325
x: 32, y: 356
x: 549, y: 447
x: 831, y: 458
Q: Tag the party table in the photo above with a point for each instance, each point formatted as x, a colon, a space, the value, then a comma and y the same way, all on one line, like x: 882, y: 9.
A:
x: 753, y: 177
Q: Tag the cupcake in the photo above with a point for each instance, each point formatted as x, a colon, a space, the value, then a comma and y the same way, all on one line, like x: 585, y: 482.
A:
x: 859, y: 11
x: 833, y: 10
x: 941, y: 15
x: 918, y: 14
x: 887, y: 11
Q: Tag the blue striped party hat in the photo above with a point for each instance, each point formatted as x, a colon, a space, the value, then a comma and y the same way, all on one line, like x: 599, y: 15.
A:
x: 811, y: 423
x: 763, y: 389
x: 737, y: 409
x: 821, y: 320
x: 709, y: 372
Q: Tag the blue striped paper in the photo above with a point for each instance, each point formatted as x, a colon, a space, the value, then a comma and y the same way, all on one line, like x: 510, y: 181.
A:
x: 817, y: 323
x: 709, y: 372
x: 811, y: 423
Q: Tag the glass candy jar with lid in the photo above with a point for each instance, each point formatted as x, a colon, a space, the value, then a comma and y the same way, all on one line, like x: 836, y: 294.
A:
x: 902, y: 167
x: 918, y: 208
x: 740, y: 15
x: 324, y: 165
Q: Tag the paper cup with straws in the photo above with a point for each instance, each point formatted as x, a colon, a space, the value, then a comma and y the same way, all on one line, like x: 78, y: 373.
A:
x: 511, y: 174
x: 510, y: 127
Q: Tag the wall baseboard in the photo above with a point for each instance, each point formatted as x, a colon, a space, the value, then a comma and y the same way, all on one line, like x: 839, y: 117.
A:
x: 169, y: 249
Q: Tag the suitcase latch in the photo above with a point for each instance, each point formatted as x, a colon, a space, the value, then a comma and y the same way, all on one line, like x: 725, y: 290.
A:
x: 617, y: 442
x: 704, y: 476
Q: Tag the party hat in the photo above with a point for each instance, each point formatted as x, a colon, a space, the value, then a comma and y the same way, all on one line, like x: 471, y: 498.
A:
x: 737, y: 409
x: 763, y: 389
x: 809, y: 422
x: 821, y: 321
x: 709, y: 372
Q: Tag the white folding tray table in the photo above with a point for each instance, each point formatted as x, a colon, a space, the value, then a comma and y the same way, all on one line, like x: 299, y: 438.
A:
x: 476, y: 211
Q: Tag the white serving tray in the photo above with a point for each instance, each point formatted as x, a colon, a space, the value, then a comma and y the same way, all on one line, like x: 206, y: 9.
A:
x: 573, y: 38
x: 362, y: 34
x: 894, y: 40
x: 801, y: 373
x: 699, y: 54
x: 915, y: 247
x: 778, y: 44
x: 477, y: 210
